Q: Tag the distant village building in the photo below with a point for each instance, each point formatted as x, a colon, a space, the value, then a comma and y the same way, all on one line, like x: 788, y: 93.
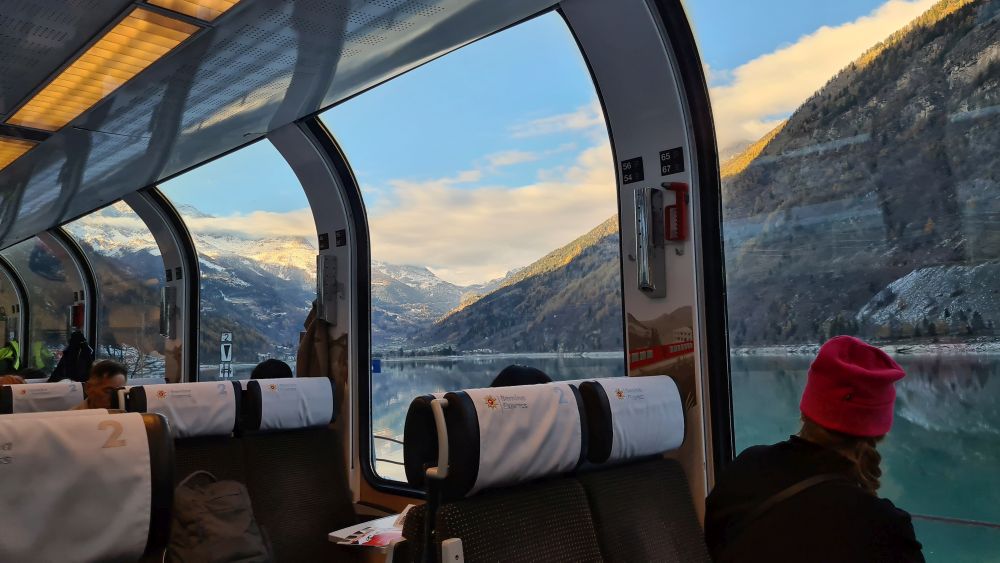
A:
x: 683, y: 334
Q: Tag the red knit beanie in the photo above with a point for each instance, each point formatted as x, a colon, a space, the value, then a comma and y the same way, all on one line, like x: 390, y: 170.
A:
x: 850, y: 388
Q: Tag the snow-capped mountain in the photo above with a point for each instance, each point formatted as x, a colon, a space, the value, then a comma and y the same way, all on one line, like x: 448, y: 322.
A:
x: 268, y: 283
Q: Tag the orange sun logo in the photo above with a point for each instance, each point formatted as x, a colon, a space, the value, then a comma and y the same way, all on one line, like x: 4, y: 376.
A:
x: 273, y: 387
x: 619, y: 393
x: 161, y: 394
x: 491, y: 402
x: 24, y: 391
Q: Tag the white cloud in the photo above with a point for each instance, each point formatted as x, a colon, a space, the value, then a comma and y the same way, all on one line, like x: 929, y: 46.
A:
x: 716, y: 76
x: 469, y: 234
x: 259, y: 224
x: 590, y: 116
x: 510, y: 158
x: 765, y: 90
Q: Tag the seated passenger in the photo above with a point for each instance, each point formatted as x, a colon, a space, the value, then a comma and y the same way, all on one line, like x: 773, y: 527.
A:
x: 75, y: 361
x: 515, y: 374
x: 105, y: 377
x: 11, y: 379
x: 10, y: 357
x: 271, y: 369
x: 813, y: 497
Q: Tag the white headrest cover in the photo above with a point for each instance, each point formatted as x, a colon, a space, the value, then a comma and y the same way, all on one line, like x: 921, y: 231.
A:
x: 525, y: 432
x: 81, y: 412
x: 42, y: 397
x: 286, y: 403
x: 647, y: 416
x: 205, y: 408
x: 74, y: 488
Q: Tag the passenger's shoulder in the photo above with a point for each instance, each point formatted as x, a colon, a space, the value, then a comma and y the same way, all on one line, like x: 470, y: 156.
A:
x: 888, y: 510
x: 886, y: 514
x: 754, y: 453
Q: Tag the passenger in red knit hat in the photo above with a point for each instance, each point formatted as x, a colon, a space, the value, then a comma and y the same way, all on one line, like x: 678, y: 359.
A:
x: 814, y: 497
x: 851, y: 388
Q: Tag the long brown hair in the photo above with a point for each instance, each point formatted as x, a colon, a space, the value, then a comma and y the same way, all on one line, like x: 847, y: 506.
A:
x: 861, y: 451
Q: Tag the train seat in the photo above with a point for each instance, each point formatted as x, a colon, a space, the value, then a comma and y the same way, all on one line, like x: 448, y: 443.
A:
x: 120, y: 397
x: 640, y: 501
x: 121, y: 467
x: 506, y: 495
x: 40, y: 397
x: 203, y: 417
x: 297, y: 474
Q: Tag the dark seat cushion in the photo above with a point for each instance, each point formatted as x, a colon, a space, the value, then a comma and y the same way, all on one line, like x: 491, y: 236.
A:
x: 298, y: 485
x: 221, y: 456
x: 643, y: 512
x: 543, y: 521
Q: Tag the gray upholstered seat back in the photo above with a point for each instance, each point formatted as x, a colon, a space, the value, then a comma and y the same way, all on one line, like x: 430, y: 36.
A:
x: 547, y: 520
x: 643, y: 512
x: 296, y: 471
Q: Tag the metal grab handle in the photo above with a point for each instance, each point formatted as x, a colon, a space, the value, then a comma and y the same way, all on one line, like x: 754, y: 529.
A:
x: 644, y: 236
x: 649, y: 241
x: 441, y: 471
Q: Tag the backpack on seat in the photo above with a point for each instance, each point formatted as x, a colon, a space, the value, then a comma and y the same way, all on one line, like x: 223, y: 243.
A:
x: 213, y: 522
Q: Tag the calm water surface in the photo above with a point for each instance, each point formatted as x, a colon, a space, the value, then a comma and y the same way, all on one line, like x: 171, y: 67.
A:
x: 942, y: 457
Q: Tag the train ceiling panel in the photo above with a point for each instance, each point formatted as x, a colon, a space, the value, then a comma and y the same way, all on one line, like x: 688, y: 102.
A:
x: 259, y: 65
x: 38, y: 36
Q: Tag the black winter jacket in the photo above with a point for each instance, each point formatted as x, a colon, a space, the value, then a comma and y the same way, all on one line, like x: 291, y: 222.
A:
x: 75, y: 361
x: 833, y: 521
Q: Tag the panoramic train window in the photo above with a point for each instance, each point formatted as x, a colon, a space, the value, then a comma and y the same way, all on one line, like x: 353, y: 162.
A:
x: 256, y: 243
x: 858, y: 145
x: 129, y: 271
x: 54, y: 286
x: 490, y: 192
x: 10, y: 316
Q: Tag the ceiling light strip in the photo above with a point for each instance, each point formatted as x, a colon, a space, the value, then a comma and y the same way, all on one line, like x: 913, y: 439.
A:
x: 206, y: 10
x: 129, y: 47
x: 13, y: 149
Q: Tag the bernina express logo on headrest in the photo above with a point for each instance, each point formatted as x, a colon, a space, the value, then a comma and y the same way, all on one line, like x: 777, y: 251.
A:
x: 273, y: 387
x: 634, y: 394
x: 506, y: 402
x: 162, y: 393
x: 24, y: 391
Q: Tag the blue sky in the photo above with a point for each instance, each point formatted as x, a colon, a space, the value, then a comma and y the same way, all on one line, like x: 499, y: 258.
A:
x: 746, y: 30
x: 504, y: 139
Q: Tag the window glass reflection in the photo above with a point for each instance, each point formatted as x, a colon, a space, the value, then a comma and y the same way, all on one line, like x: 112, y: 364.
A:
x: 54, y: 285
x: 256, y: 243
x: 129, y: 271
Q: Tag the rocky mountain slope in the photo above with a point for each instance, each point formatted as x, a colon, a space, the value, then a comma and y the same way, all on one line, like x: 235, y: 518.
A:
x: 569, y: 300
x: 873, y: 209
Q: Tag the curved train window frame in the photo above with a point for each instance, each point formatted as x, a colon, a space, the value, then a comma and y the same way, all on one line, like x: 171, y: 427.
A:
x: 51, y: 239
x: 680, y: 39
x: 173, y: 241
x: 23, y: 305
x: 91, y: 288
x: 176, y: 245
x: 172, y: 238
